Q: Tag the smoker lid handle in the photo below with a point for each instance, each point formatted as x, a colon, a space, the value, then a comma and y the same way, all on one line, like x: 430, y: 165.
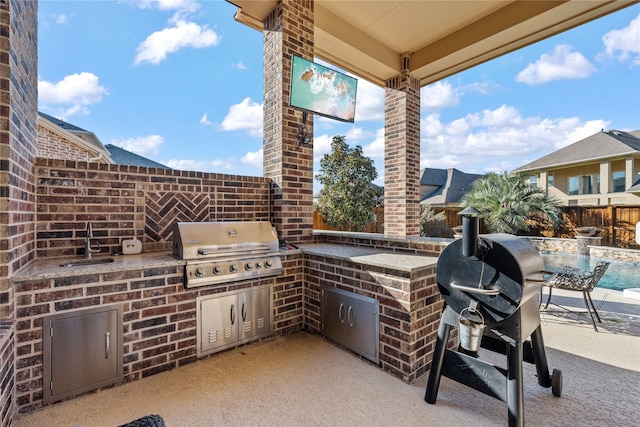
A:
x: 490, y: 292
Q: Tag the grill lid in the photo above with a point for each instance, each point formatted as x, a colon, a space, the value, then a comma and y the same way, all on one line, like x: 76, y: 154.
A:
x: 209, y: 240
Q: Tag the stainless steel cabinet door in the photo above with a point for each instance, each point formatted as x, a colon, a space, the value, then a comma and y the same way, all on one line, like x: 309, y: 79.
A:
x: 255, y: 310
x: 219, y: 322
x: 334, y: 315
x: 82, y: 352
x: 362, y: 327
x: 352, y: 320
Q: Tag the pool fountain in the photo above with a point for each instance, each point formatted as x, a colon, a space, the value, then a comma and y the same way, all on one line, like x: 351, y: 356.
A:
x: 587, y: 236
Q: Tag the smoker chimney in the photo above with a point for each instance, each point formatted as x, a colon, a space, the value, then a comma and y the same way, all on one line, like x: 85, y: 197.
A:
x: 470, y: 231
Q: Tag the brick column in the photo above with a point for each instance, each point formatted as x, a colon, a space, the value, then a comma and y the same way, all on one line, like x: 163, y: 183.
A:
x: 18, y: 136
x: 402, y: 154
x: 287, y: 30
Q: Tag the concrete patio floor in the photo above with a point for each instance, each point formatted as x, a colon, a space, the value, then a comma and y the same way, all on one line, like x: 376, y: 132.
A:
x: 303, y: 380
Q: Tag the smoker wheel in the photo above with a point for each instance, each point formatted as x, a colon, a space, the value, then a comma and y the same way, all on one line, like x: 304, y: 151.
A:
x: 556, y: 382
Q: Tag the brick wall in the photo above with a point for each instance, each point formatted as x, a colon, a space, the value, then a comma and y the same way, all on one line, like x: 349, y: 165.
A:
x: 410, y: 308
x: 159, y: 317
x: 124, y: 202
x: 18, y: 134
x: 288, y: 30
x: 402, y: 155
x: 7, y: 357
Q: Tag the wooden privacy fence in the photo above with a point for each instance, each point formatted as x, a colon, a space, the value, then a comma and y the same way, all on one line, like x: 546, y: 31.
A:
x: 618, y: 223
x: 377, y: 226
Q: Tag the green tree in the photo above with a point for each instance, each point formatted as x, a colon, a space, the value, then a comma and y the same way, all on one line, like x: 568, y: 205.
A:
x: 433, y: 224
x: 510, y: 205
x: 347, y: 198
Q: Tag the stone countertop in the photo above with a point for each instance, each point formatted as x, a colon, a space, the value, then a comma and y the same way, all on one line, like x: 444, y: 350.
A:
x: 371, y: 256
x: 50, y: 268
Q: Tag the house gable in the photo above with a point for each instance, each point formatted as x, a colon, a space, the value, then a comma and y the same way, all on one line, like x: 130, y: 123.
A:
x: 56, y: 140
x: 602, y: 169
x: 599, y: 146
x: 445, y: 187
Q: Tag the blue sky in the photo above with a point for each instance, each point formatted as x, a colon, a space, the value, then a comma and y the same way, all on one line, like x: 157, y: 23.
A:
x: 180, y: 82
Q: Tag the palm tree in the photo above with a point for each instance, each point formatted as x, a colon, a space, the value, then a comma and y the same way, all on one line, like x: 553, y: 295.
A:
x: 510, y: 205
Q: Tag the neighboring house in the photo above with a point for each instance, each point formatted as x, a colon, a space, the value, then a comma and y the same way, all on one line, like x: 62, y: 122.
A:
x: 444, y: 187
x: 124, y: 157
x: 602, y: 169
x: 58, y: 139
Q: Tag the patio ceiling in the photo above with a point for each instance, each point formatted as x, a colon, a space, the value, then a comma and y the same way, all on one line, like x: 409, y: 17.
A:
x: 441, y: 38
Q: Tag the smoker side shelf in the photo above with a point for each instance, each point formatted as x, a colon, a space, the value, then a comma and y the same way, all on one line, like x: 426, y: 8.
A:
x: 352, y: 321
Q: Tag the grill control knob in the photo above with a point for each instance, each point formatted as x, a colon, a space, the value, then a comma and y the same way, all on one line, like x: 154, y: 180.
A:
x: 258, y: 264
x: 217, y: 269
x: 267, y: 264
x: 248, y: 266
x: 199, y: 272
x: 233, y: 268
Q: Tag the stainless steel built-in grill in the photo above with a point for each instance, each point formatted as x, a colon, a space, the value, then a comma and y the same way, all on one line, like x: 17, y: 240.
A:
x: 226, y: 251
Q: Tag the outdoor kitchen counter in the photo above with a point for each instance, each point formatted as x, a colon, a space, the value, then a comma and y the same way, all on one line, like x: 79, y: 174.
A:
x: 370, y: 256
x: 49, y: 268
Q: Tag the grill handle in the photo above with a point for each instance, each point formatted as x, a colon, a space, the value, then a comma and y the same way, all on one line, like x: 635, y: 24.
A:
x: 234, y: 251
x: 490, y: 292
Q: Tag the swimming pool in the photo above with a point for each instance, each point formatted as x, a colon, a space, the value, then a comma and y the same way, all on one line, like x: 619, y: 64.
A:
x: 620, y: 275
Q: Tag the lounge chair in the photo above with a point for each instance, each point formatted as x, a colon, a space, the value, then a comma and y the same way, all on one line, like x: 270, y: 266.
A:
x: 575, y: 279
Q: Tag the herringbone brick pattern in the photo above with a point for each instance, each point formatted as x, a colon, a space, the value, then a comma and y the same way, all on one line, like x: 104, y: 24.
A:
x: 164, y: 208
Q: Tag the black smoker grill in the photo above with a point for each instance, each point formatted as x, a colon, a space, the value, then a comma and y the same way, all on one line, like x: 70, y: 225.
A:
x: 490, y: 284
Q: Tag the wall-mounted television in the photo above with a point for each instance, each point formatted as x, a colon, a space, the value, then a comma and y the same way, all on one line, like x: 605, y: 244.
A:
x: 321, y: 90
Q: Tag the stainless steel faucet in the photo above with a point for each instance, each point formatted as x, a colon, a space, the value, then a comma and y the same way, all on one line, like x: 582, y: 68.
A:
x: 88, y: 250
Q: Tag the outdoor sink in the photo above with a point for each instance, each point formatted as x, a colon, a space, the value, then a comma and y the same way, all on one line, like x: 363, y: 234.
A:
x: 77, y: 262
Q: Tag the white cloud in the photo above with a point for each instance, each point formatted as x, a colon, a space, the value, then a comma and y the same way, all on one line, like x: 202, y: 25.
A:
x: 253, y: 158
x: 205, y: 120
x: 356, y: 134
x: 444, y: 162
x: 158, y: 45
x: 369, y: 101
x: 143, y: 145
x: 500, y: 139
x: 624, y: 44
x: 215, y: 165
x: 73, y: 93
x: 61, y: 18
x: 562, y: 63
x: 321, y: 146
x: 437, y: 96
x: 239, y: 66
x: 187, y: 5
x: 375, y: 149
x: 582, y: 131
x: 244, y: 116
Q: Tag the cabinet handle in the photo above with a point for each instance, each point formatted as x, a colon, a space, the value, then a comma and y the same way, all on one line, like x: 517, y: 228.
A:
x: 244, y: 312
x: 107, y: 344
x: 350, y: 317
x: 341, y: 313
x: 233, y: 314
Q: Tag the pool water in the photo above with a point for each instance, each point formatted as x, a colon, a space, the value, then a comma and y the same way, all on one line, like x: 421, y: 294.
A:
x: 620, y: 275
